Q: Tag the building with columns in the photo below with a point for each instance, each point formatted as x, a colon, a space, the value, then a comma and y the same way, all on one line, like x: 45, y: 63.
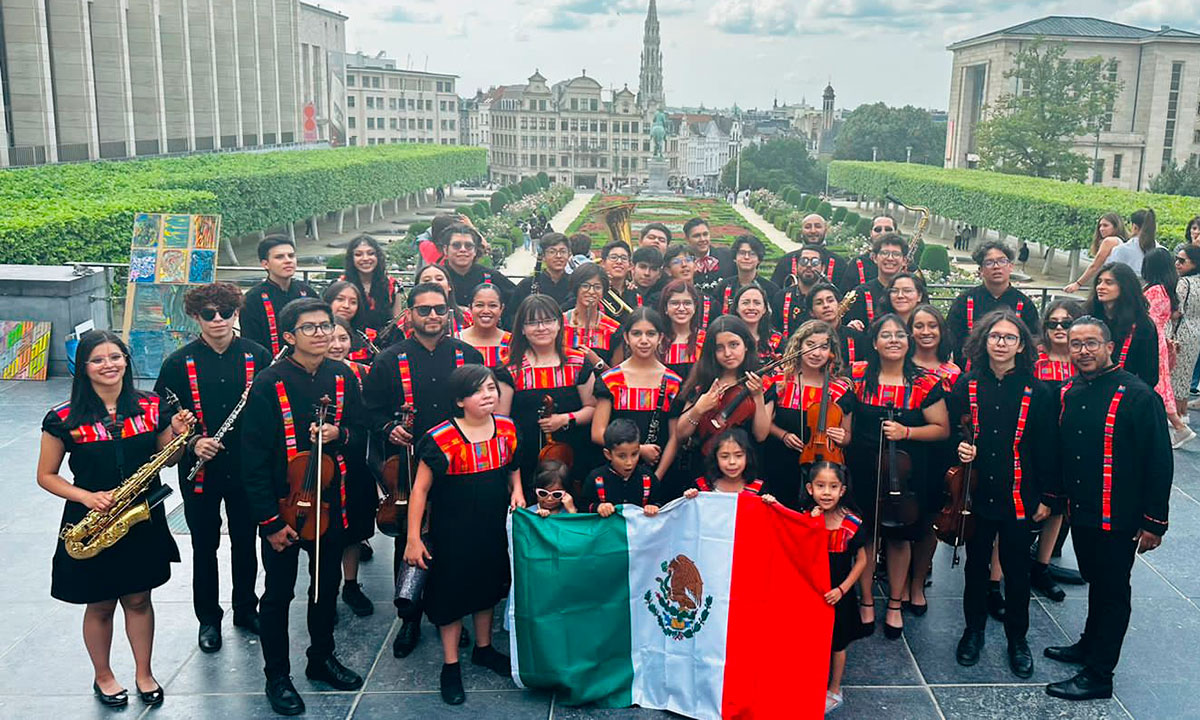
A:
x: 109, y: 79
x: 1153, y: 124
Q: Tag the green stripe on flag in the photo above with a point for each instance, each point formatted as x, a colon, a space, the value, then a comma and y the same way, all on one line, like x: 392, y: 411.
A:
x: 571, y: 605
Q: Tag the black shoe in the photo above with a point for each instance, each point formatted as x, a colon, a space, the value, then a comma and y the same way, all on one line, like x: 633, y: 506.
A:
x: 891, y: 632
x: 247, y: 622
x: 333, y: 673
x: 915, y: 609
x: 492, y: 659
x: 1083, y: 686
x: 1067, y: 576
x: 365, y: 551
x: 968, y: 647
x: 1041, y: 581
x: 352, y: 595
x: 283, y: 696
x: 868, y: 628
x: 995, y: 604
x: 1020, y: 659
x: 210, y: 638
x: 452, y: 688
x: 151, y: 697
x: 1073, y: 654
x: 118, y: 699
x: 464, y: 638
x: 406, y: 638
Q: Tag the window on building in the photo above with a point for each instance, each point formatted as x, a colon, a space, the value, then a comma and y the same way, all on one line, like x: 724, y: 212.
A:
x: 444, y: 127
x: 1117, y: 160
x: 634, y: 126
x: 351, y: 80
x: 564, y: 127
x: 394, y: 124
x: 351, y: 122
x: 353, y: 139
x: 565, y: 161
x: 393, y: 83
x: 552, y: 160
x: 391, y: 103
x: 1111, y: 77
x: 1196, y: 137
x: 450, y: 104
x: 439, y: 86
x: 412, y: 124
x: 1168, y: 156
x: 349, y: 101
x: 625, y: 126
x: 603, y: 126
x: 374, y: 82
x: 429, y: 105
x: 370, y: 123
x: 452, y: 123
x: 594, y: 104
x: 410, y: 103
x: 1098, y: 172
x: 542, y: 105
x: 574, y: 125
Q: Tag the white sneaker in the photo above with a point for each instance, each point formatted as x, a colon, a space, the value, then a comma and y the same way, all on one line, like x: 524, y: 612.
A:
x: 1194, y: 403
x: 1181, y: 438
x: 833, y: 701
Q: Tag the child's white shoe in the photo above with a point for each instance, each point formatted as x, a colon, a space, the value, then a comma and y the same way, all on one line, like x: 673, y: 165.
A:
x: 833, y: 701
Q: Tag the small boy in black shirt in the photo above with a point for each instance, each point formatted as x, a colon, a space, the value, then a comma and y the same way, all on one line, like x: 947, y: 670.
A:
x: 624, y: 480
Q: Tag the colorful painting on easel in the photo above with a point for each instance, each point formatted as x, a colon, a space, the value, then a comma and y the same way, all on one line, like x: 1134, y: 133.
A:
x: 168, y: 254
x: 25, y: 350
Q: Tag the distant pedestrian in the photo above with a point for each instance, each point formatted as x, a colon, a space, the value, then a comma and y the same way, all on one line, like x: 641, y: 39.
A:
x: 1023, y: 254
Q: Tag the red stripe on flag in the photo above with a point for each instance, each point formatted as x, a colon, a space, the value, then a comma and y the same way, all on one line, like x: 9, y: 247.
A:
x: 780, y: 567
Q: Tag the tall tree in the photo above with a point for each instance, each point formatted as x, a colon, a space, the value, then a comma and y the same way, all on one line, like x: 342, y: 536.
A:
x: 1031, y: 131
x: 1178, y: 180
x: 775, y: 164
x: 890, y: 132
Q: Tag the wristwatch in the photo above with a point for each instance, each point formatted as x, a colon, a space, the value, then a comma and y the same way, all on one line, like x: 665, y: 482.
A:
x: 570, y: 420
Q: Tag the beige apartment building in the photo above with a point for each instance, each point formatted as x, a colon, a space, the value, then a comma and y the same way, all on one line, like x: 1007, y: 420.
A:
x: 1154, y: 123
x: 386, y: 104
x: 109, y: 79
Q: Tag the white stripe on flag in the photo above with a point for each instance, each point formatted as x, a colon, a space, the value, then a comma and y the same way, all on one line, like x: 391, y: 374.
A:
x: 510, y: 622
x: 684, y: 675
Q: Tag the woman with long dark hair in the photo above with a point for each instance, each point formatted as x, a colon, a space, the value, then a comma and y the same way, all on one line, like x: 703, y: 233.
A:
x: 803, y: 380
x: 726, y: 357
x: 906, y: 292
x: 1053, y: 364
x: 750, y: 304
x: 680, y: 304
x: 1185, y: 326
x: 1117, y: 299
x: 1160, y: 278
x: 1132, y: 252
x: 485, y: 334
x: 1191, y: 234
x: 106, y: 432
x: 366, y: 267
x: 1110, y: 233
x: 586, y: 326
x: 540, y: 366
x: 899, y: 403
x: 823, y: 303
x: 348, y: 303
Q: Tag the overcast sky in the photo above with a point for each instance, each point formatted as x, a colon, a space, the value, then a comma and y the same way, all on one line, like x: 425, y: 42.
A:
x: 717, y: 52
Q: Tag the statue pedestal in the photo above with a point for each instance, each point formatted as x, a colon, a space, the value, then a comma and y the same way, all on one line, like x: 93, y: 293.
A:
x: 658, y: 177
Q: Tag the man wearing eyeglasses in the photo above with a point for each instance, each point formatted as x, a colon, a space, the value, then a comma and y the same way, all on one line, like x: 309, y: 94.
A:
x: 788, y: 306
x: 280, y: 422
x: 553, y: 278
x: 412, y: 375
x: 887, y: 257
x: 748, y: 254
x: 463, y: 247
x: 863, y: 269
x: 996, y: 290
x: 264, y: 301
x: 813, y: 232
x: 209, y: 375
x: 1116, y: 474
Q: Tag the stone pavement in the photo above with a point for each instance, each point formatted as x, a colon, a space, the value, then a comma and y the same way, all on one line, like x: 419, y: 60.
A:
x: 44, y: 670
x: 520, y: 263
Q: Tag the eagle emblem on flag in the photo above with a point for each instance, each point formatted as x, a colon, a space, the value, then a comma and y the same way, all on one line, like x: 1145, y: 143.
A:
x: 678, y: 602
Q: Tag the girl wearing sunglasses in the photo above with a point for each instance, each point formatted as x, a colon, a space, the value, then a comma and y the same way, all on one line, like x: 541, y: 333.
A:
x: 550, y: 489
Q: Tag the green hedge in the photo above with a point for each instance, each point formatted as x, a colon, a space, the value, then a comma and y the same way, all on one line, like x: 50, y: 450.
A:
x: 55, y: 213
x: 1059, y: 214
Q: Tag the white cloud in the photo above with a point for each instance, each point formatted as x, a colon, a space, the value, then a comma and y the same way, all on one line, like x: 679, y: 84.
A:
x: 1151, y: 13
x: 753, y: 17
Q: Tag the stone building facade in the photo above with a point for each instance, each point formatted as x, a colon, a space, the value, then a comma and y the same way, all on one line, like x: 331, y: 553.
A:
x: 386, y: 104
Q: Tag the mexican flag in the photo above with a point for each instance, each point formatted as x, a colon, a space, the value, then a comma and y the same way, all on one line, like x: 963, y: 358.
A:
x: 712, y: 609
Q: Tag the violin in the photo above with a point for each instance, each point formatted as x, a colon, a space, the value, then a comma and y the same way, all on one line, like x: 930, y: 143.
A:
x: 898, y: 506
x: 955, y: 524
x: 309, y: 476
x: 391, y: 517
x: 551, y: 448
x: 818, y: 418
x: 734, y: 409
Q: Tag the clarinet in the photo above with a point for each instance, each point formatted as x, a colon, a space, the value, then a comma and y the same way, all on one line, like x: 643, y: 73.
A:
x: 233, y: 416
x: 652, y: 431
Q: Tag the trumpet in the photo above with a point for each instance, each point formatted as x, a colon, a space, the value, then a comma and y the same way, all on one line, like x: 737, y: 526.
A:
x: 614, y: 305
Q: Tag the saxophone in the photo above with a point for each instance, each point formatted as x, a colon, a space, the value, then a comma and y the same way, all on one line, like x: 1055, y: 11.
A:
x: 914, y: 245
x: 98, y: 531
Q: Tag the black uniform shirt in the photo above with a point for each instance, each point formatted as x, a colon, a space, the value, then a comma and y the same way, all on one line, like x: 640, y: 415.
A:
x: 220, y: 380
x: 859, y: 270
x: 871, y: 299
x: 257, y: 319
x: 618, y: 490
x: 832, y: 267
x: 476, y: 275
x: 972, y: 304
x: 1137, y: 491
x: 546, y: 286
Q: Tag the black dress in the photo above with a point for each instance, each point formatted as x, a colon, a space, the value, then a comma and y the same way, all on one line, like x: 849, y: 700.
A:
x: 639, y: 405
x: 142, y: 559
x: 907, y: 402
x: 844, y: 544
x: 781, y: 463
x: 362, y: 495
x: 561, y: 384
x: 469, y: 507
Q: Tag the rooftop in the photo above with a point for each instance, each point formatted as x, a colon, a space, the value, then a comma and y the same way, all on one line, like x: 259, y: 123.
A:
x: 1065, y: 26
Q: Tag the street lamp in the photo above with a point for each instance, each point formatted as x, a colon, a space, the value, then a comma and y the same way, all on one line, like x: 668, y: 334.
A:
x: 908, y: 153
x: 874, y: 153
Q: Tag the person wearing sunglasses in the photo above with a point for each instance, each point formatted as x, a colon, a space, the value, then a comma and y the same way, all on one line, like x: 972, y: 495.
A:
x: 551, y: 491
x: 209, y: 375
x: 787, y: 306
x: 280, y: 421
x: 996, y: 290
x: 863, y: 269
x: 1185, y: 329
x: 264, y: 301
x: 813, y: 229
x: 463, y: 247
x: 413, y: 375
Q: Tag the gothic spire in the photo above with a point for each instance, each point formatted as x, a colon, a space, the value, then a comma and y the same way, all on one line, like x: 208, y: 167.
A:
x: 650, y: 82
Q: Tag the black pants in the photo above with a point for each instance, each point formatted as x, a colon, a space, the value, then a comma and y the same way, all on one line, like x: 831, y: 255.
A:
x: 281, y: 570
x: 1014, y: 561
x: 203, y: 514
x: 1105, y: 561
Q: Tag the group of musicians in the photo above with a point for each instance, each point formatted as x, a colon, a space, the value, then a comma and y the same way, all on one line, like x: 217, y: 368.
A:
x: 834, y: 358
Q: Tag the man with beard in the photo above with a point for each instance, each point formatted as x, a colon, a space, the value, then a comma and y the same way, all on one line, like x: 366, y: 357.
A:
x: 995, y: 268
x: 713, y: 264
x: 863, y: 269
x: 787, y: 306
x: 1116, y: 473
x: 887, y: 256
x: 411, y: 376
x: 813, y: 231
x: 463, y: 247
